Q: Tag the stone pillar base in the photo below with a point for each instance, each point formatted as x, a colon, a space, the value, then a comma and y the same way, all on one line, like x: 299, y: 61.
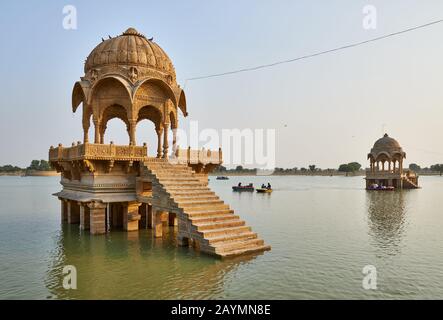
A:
x: 97, y: 214
x: 183, y: 241
x: 84, y: 217
x: 158, y: 217
x: 64, y: 210
x: 73, y: 212
x: 131, y: 216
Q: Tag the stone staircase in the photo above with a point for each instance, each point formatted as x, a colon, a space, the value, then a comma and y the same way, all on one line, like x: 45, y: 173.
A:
x: 205, y: 217
x: 410, y: 184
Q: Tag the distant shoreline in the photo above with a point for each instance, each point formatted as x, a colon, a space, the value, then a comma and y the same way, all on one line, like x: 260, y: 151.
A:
x: 320, y: 174
x: 315, y: 174
x: 37, y: 173
x: 30, y: 173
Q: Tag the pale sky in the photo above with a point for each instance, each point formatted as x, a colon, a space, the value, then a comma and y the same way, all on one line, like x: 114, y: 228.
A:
x: 334, y: 105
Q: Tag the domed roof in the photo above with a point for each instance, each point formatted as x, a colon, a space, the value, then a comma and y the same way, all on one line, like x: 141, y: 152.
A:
x: 387, y: 145
x: 130, y: 49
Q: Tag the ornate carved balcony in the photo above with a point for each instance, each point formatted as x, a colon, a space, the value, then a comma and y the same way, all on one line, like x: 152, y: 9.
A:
x: 91, y: 151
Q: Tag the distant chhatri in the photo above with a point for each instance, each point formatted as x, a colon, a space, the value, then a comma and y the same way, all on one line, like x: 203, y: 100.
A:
x: 386, y: 166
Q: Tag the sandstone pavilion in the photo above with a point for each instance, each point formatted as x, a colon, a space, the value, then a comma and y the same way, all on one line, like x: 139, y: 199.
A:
x: 107, y: 187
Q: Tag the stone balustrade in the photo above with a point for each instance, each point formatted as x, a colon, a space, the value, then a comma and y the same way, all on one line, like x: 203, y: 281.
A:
x: 202, y: 156
x: 91, y: 151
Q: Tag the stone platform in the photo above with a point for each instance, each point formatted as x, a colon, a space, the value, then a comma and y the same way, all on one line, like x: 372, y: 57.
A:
x: 109, y: 187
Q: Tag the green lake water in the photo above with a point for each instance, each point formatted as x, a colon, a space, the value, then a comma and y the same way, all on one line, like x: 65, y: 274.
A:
x: 323, y: 231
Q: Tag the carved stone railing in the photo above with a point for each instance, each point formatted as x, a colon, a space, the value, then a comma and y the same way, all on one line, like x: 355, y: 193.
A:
x: 91, y: 151
x: 202, y: 156
x: 383, y: 174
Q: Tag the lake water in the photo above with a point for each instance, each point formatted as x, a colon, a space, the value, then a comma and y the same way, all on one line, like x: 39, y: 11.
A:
x: 323, y: 231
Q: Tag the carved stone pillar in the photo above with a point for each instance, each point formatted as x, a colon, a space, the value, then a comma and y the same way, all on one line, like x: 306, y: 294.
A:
x: 131, y: 216
x: 86, y: 122
x: 97, y: 215
x: 97, y: 131
x: 174, y: 141
x: 165, y: 140
x: 159, y: 141
x: 132, y: 127
x: 102, y: 133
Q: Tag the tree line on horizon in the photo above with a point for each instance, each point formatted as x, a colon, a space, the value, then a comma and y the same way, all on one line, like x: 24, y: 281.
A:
x: 347, y: 168
x: 37, y: 165
x: 433, y: 168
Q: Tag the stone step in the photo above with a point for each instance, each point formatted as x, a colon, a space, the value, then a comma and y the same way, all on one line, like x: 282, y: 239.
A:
x: 192, y: 193
x: 244, y: 251
x: 178, y: 180
x: 196, y: 196
x: 232, y: 237
x: 175, y: 175
x: 219, y: 224
x: 202, y: 207
x: 199, y: 203
x: 216, y: 218
x: 224, y: 231
x: 237, y: 244
x: 169, y: 167
x: 200, y: 188
x: 175, y: 184
x: 208, y: 213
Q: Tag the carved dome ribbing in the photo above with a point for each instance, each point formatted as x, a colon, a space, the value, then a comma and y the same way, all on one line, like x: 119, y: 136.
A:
x: 130, y: 49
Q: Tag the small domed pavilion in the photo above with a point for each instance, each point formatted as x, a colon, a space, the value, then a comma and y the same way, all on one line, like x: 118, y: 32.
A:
x: 386, y: 166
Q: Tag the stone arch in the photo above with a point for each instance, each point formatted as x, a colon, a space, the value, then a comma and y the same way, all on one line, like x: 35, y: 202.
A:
x: 110, y: 90
x: 173, y: 119
x: 78, y: 96
x: 151, y: 113
x: 112, y: 112
x: 182, y: 103
x: 153, y: 92
x: 383, y: 156
x: 398, y: 156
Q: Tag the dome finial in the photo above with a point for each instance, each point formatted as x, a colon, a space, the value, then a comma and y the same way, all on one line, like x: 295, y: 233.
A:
x: 131, y: 30
x: 385, y: 135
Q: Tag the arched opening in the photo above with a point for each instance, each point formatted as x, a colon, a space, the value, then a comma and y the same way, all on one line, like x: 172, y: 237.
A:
x: 116, y: 131
x: 150, y: 131
x: 146, y: 133
x: 114, y: 125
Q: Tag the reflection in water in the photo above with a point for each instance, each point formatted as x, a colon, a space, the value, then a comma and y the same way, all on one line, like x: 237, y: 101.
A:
x: 386, y: 219
x: 136, y: 265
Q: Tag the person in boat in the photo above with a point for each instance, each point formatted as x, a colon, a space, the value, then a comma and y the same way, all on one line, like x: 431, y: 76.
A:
x: 263, y: 186
x: 239, y: 184
x: 250, y: 184
x: 269, y: 186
